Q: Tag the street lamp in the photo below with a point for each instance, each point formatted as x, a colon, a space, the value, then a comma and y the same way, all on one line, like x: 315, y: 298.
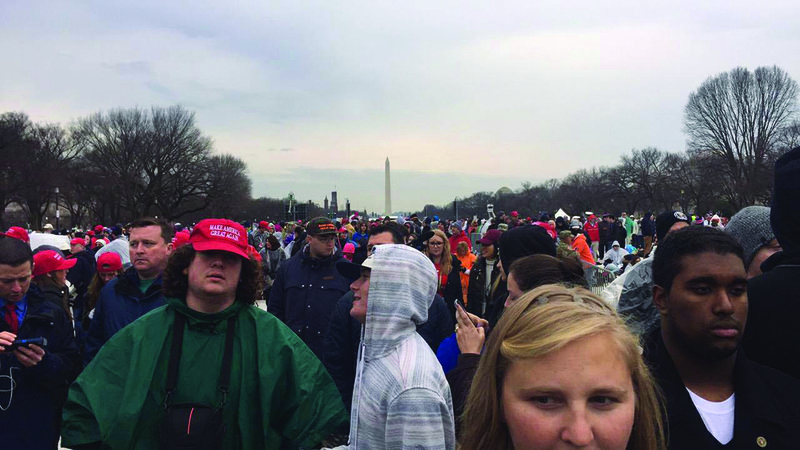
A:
x: 58, y: 213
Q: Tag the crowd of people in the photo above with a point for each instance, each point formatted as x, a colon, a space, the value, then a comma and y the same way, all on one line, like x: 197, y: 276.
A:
x: 408, y: 332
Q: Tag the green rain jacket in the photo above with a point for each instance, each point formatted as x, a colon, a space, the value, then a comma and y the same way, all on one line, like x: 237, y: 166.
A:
x: 280, y: 392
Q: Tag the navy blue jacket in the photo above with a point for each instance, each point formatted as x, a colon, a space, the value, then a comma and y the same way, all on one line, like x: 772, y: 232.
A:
x: 33, y: 417
x: 305, y: 293
x: 120, y: 303
x: 344, y: 333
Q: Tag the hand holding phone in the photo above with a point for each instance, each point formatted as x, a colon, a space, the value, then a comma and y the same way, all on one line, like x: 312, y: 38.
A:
x: 40, y: 341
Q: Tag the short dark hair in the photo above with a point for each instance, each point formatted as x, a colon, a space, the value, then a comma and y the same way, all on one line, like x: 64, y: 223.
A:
x: 398, y: 232
x: 167, y: 231
x: 176, y: 283
x: 14, y: 252
x: 540, y: 269
x: 688, y: 241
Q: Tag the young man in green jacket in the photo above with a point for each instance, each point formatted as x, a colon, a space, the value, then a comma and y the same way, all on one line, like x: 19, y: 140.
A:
x: 278, y: 394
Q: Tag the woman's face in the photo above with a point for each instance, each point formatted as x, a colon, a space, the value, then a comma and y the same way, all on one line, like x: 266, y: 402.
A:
x: 578, y: 397
x: 514, y: 292
x: 435, y: 246
x: 487, y: 251
x: 60, y: 277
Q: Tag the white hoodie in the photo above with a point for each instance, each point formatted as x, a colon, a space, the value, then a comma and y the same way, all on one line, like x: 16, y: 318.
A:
x: 401, y: 398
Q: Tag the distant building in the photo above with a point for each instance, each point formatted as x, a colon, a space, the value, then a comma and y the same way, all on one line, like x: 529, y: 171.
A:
x: 334, y: 204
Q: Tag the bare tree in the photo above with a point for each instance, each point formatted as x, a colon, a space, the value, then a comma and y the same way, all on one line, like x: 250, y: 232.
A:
x: 48, y: 154
x: 14, y: 133
x: 736, y: 117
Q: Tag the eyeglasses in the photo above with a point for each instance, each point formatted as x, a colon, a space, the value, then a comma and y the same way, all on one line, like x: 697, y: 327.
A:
x: 435, y: 244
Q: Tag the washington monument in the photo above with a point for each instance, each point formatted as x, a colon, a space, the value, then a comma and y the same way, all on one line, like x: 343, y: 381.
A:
x: 388, y: 211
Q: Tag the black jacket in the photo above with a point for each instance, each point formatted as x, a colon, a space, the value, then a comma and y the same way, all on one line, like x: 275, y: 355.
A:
x: 616, y: 233
x: 767, y: 404
x: 121, y: 302
x: 304, y: 295
x: 477, y: 301
x: 771, y: 336
x: 33, y: 418
x: 81, y: 276
x: 452, y: 290
x: 344, y: 334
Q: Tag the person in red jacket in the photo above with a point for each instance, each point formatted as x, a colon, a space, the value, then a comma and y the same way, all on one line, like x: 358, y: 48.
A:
x: 594, y: 234
x: 458, y: 235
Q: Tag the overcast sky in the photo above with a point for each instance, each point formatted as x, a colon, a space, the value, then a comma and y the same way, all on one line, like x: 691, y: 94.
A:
x: 462, y: 96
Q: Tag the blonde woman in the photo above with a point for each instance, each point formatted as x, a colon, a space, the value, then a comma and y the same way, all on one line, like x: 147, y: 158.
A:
x: 562, y: 369
x: 448, y: 269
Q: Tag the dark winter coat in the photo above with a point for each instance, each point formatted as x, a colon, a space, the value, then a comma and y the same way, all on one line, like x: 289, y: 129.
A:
x: 766, y: 405
x: 304, y: 296
x: 774, y: 306
x: 80, y: 276
x: 616, y: 233
x: 452, y: 290
x: 33, y: 419
x: 120, y: 303
x: 604, y: 231
x: 460, y: 381
x: 647, y: 226
x: 344, y: 333
x: 771, y: 336
x: 477, y: 301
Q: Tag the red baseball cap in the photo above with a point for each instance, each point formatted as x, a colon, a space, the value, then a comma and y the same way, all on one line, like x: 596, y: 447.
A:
x: 80, y: 241
x: 181, y: 238
x: 252, y: 252
x: 17, y: 233
x: 491, y: 237
x: 90, y: 233
x: 263, y: 224
x: 98, y: 229
x: 49, y: 261
x: 109, y: 262
x: 219, y: 234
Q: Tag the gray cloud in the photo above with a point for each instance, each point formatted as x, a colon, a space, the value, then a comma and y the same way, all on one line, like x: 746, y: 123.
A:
x: 492, y: 92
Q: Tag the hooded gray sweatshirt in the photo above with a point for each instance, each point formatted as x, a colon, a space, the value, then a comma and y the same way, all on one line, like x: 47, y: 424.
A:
x: 401, y: 398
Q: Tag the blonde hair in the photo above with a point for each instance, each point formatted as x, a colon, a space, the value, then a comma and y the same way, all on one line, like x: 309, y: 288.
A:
x: 446, y: 263
x: 540, y: 322
x: 462, y: 249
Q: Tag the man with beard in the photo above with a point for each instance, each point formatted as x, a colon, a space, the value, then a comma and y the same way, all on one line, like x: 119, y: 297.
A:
x: 715, y: 397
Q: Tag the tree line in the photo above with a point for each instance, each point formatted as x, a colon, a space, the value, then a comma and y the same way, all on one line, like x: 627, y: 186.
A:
x: 737, y: 124
x: 116, y: 166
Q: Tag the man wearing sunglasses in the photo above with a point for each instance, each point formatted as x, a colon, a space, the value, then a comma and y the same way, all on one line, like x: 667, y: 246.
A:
x: 308, y: 285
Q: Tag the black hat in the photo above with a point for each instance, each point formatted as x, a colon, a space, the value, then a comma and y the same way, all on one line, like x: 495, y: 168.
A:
x: 321, y: 226
x: 666, y: 220
x: 525, y: 241
x: 784, y: 214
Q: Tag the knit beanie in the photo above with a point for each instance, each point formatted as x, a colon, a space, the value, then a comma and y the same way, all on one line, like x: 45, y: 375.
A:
x: 666, y: 220
x: 525, y: 241
x: 750, y: 227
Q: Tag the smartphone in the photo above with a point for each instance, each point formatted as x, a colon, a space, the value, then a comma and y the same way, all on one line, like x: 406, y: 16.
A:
x: 40, y: 341
x: 459, y: 305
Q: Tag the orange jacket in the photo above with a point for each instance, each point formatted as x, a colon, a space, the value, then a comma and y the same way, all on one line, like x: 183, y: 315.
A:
x: 580, y: 246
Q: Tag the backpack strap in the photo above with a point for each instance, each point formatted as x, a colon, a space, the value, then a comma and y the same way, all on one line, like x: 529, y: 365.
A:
x: 175, y: 359
x: 174, y: 356
x: 227, y: 357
